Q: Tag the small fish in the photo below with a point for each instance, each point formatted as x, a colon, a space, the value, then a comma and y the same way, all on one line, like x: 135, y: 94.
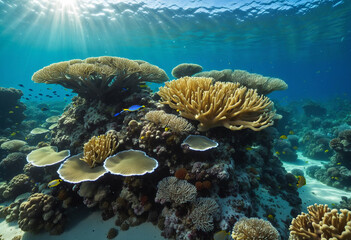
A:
x: 283, y: 152
x: 291, y: 132
x: 221, y: 235
x: 130, y: 109
x: 143, y: 86
x: 16, y: 106
x: 295, y: 147
x: 278, y: 153
x: 336, y: 178
x: 25, y: 138
x: 21, y: 85
x: 40, y: 94
x: 248, y: 148
x: 67, y: 95
x: 333, y: 204
x: 306, y: 161
x: 142, y: 137
x: 30, y: 90
x: 326, y: 151
x: 283, y: 137
x: 13, y: 134
x: 166, y: 129
x: 54, y: 183
x: 301, y: 181
x: 270, y: 217
x: 11, y: 112
x: 124, y: 89
x: 26, y: 98
x: 338, y: 163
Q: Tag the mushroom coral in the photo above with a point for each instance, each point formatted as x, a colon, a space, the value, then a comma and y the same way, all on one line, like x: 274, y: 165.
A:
x: 219, y: 104
x: 130, y: 163
x: 46, y: 156
x: 100, y: 77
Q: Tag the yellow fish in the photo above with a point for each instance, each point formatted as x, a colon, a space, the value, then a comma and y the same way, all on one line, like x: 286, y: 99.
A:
x: 13, y: 134
x: 291, y: 132
x: 17, y: 107
x: 270, y: 216
x: 166, y: 129
x: 283, y: 137
x: 143, y: 86
x: 294, y: 147
x: 326, y: 151
x: 221, y: 235
x: 248, y: 148
x: 54, y: 183
x: 11, y: 111
x: 338, y: 163
x: 283, y: 152
x: 278, y: 153
x: 301, y: 181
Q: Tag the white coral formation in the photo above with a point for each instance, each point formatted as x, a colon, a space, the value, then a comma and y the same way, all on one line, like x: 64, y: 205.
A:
x: 253, y: 229
x: 202, y: 215
x: 171, y: 189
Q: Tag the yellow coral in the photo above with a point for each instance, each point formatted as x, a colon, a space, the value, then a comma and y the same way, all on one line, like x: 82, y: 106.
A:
x: 97, y: 149
x: 219, y: 104
x: 321, y: 223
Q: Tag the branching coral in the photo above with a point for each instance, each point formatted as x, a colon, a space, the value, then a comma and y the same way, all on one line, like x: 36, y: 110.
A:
x: 171, y: 189
x: 173, y: 122
x: 219, y: 104
x: 100, y: 77
x: 321, y: 223
x: 254, y: 228
x: 97, y: 149
x: 202, y: 215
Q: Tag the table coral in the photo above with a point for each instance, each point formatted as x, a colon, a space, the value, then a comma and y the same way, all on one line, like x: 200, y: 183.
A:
x: 41, y: 212
x: 218, y: 104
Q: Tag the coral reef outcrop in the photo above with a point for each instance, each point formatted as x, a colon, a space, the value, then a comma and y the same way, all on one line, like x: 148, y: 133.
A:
x: 11, y: 109
x: 186, y: 70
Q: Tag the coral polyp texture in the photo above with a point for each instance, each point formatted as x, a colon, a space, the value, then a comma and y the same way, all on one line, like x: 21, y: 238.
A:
x: 171, y: 189
x: 218, y: 104
x: 263, y: 85
x: 100, y: 77
x: 98, y: 148
x: 321, y: 223
x: 254, y: 228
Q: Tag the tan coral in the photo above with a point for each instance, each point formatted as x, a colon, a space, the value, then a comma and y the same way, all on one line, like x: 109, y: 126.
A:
x: 97, y: 149
x: 254, y: 228
x: 100, y: 77
x: 321, y: 223
x: 218, y: 104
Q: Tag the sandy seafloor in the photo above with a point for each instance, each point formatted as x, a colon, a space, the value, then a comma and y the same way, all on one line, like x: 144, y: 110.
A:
x: 87, y: 224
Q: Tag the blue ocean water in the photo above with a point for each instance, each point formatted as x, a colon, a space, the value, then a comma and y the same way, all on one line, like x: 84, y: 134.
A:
x: 305, y: 43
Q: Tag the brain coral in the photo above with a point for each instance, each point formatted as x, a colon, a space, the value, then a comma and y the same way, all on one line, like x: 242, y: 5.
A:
x: 219, y: 104
x: 171, y: 189
x: 40, y: 212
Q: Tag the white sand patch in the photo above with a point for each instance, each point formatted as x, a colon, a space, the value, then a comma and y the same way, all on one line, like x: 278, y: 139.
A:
x: 84, y: 224
x: 314, y: 191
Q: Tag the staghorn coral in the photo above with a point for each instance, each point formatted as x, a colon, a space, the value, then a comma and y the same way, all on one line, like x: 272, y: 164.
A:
x: 202, y: 215
x: 41, y: 211
x: 254, y: 228
x: 186, y: 69
x: 173, y: 122
x: 171, y: 189
x: 97, y: 149
x: 263, y: 85
x: 321, y: 223
x: 100, y: 77
x: 219, y: 104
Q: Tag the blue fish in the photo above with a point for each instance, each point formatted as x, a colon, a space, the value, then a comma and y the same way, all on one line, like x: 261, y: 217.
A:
x: 130, y: 109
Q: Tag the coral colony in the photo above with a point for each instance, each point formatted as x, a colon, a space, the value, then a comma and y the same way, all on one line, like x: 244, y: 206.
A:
x: 199, y: 158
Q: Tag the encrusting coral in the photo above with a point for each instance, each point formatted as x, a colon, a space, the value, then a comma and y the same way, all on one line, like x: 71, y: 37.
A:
x: 97, y: 149
x: 39, y: 212
x: 218, y: 104
x: 321, y: 223
x: 254, y: 228
x: 100, y: 77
